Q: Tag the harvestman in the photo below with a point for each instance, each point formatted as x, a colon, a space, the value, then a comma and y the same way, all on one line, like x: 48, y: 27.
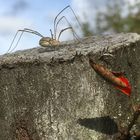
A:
x: 48, y: 41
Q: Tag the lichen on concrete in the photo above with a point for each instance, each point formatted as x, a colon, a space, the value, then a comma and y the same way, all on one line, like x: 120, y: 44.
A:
x: 51, y: 89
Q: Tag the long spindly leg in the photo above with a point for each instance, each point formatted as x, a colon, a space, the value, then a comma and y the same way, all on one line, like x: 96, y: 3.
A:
x: 16, y: 43
x: 57, y: 25
x: 55, y: 20
x: 32, y: 31
x: 22, y: 31
x: 12, y: 42
x: 70, y: 27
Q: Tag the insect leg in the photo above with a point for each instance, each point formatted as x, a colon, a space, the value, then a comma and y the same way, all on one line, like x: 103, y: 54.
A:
x: 33, y: 32
x: 60, y: 13
x: 22, y: 31
x: 12, y: 41
x: 17, y: 41
x: 70, y: 27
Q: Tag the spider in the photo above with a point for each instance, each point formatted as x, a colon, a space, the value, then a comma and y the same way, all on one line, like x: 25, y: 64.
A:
x: 48, y: 41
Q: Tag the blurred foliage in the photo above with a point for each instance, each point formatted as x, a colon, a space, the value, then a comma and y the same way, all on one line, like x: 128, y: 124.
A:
x: 119, y: 16
x: 86, y: 29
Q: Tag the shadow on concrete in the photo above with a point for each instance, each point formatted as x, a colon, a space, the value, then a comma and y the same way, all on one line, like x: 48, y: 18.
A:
x: 104, y: 125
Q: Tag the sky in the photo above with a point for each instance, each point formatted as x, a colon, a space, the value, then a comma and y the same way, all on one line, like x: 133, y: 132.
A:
x: 39, y: 15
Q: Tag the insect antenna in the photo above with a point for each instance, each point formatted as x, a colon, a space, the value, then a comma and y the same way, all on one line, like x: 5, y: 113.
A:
x: 22, y: 31
x: 59, y: 14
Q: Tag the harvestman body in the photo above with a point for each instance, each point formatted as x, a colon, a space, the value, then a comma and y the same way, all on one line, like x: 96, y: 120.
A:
x: 48, y: 41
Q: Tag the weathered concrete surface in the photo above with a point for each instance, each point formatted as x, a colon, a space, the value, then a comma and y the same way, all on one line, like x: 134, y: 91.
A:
x: 53, y: 93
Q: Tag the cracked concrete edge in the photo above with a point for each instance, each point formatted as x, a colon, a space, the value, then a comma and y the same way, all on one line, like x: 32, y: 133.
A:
x: 68, y: 50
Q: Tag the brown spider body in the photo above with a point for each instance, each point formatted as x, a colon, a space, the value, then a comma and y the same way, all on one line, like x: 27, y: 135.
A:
x: 47, y: 41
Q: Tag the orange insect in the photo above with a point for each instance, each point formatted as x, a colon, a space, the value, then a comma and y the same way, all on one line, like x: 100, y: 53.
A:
x: 115, y: 78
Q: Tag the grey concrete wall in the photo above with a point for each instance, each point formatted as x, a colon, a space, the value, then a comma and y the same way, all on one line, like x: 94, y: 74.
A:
x: 54, y: 94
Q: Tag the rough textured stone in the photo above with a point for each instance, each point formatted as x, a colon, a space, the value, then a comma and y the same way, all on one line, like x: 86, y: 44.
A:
x: 54, y: 94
